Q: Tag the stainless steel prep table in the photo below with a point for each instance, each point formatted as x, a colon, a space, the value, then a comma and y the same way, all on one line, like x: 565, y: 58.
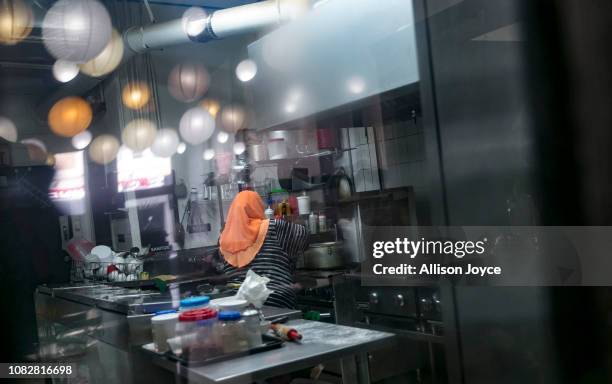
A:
x: 322, y: 342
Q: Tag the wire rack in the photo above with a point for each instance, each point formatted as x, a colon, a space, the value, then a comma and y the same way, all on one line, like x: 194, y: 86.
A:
x: 82, y: 271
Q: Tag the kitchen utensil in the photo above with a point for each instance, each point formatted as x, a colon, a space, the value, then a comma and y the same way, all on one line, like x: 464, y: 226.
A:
x: 324, y: 256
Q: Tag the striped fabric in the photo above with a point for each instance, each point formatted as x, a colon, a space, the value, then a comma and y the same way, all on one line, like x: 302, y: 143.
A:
x: 276, y: 259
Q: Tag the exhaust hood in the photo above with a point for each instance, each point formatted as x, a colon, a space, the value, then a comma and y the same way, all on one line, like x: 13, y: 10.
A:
x: 341, y: 51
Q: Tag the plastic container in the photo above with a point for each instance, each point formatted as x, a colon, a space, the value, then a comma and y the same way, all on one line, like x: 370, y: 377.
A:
x: 229, y: 304
x: 252, y: 325
x: 231, y: 333
x: 197, y: 337
x: 303, y: 204
x: 163, y: 326
x: 312, y: 222
x: 194, y: 302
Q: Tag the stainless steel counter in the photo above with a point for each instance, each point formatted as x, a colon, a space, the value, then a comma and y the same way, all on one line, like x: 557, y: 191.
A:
x: 321, y: 342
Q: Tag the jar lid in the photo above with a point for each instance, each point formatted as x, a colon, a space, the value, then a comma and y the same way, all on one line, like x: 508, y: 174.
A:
x: 165, y: 317
x: 250, y: 313
x: 194, y: 301
x: 164, y: 312
x: 229, y: 315
x: 198, y: 314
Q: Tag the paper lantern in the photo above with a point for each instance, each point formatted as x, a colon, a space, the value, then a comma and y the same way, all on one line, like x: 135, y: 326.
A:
x: 239, y: 148
x: 37, y: 150
x: 246, y: 70
x: 70, y: 116
x: 188, y: 82
x: 196, y: 126
x: 233, y: 118
x: 76, y: 30
x: 136, y: 95
x: 208, y: 154
x: 181, y: 148
x: 166, y: 143
x: 81, y: 140
x: 103, y: 149
x: 64, y: 71
x: 8, y: 131
x: 139, y: 134
x: 222, y: 137
x: 212, y: 106
x: 107, y: 60
x: 15, y: 21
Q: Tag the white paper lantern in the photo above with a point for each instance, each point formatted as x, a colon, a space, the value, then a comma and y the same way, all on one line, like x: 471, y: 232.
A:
x: 233, y: 118
x: 64, y: 71
x: 222, y: 137
x: 196, y: 126
x: 188, y: 82
x: 16, y: 21
x: 82, y: 140
x: 246, y: 70
x: 208, y: 154
x: 107, y: 60
x: 35, y: 143
x: 103, y: 149
x: 139, y: 134
x: 76, y: 30
x: 239, y: 148
x: 165, y: 143
x: 181, y: 148
x: 8, y: 131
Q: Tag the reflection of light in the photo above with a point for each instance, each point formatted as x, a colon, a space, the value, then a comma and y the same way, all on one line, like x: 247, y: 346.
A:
x: 208, y: 154
x: 211, y: 105
x: 222, y: 137
x: 196, y: 126
x: 290, y: 107
x: 165, y: 143
x: 8, y: 131
x: 194, y: 21
x: 64, y: 71
x: 141, y: 170
x: 188, y: 82
x: 139, y: 134
x: 181, y: 148
x: 69, y: 180
x: 81, y: 140
x: 239, y: 148
x: 135, y: 95
x: 246, y: 70
x: 356, y: 85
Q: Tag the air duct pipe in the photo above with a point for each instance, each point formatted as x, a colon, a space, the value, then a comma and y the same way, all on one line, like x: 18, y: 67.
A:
x: 217, y: 25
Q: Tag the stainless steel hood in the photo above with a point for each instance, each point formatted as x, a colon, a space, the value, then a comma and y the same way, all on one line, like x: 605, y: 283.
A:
x: 342, y: 51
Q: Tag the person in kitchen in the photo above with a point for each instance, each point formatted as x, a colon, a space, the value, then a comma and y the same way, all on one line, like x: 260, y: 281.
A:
x: 269, y: 247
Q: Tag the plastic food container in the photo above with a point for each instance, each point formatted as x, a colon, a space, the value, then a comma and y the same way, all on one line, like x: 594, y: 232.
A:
x: 196, y: 331
x: 252, y: 326
x: 229, y: 304
x: 163, y: 326
x: 231, y: 333
x: 194, y: 302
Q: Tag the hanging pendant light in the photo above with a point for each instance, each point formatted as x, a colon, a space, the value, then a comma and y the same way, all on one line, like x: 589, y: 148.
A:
x: 70, y: 116
x: 233, y: 118
x: 136, y: 95
x: 166, y: 143
x: 8, y: 131
x: 103, y: 149
x: 64, y: 71
x: 16, y: 21
x: 246, y: 70
x: 188, y: 82
x: 107, y: 60
x: 82, y: 140
x: 211, y: 105
x: 76, y: 30
x: 196, y: 126
x: 139, y: 134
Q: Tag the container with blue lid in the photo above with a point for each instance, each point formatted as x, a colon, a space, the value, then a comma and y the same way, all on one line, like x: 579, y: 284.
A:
x: 229, y: 315
x: 164, y: 312
x: 194, y: 302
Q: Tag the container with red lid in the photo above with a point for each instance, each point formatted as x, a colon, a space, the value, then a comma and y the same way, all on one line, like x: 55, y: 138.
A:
x: 195, y: 329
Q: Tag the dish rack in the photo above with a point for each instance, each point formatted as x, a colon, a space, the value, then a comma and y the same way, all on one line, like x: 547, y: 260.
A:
x: 83, y: 271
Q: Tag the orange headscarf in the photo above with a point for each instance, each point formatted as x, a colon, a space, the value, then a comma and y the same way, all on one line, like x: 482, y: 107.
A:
x: 245, y: 229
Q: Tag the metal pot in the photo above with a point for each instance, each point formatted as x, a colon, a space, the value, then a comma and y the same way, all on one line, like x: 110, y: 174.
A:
x: 258, y: 152
x: 324, y: 256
